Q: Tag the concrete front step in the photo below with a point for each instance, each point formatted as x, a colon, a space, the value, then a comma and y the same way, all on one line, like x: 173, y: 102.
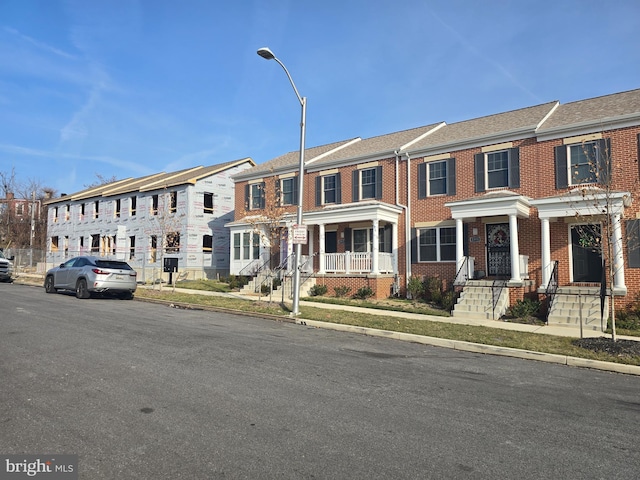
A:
x: 570, y: 301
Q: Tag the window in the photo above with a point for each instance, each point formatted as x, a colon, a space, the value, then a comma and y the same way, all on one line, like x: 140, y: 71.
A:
x: 66, y: 245
x: 132, y: 247
x: 95, y: 243
x: 236, y: 246
x: 67, y: 212
x: 82, y: 209
x: 117, y: 205
x: 54, y: 244
x: 173, y: 242
x: 55, y: 214
x: 367, y: 183
x: 328, y: 189
x: 256, y: 246
x: 246, y: 245
x: 437, y: 244
x: 153, y: 250
x: 437, y: 178
x: 499, y: 169
x: 580, y: 163
x: 173, y: 202
x: 208, y: 202
x: 20, y: 209
x: 362, y: 239
x: 96, y: 209
x: 133, y: 202
x: 207, y: 243
x: 154, y: 204
x: 289, y: 191
x: 254, y: 196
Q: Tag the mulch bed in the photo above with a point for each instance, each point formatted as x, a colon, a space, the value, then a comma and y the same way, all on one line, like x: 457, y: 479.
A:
x: 619, y: 348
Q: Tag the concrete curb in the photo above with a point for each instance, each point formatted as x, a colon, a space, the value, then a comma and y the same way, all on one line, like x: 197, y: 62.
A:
x: 478, y: 348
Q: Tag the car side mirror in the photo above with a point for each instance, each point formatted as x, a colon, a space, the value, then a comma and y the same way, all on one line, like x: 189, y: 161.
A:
x: 62, y: 265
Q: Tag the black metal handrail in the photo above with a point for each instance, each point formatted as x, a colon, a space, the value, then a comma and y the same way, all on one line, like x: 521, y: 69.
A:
x: 250, y: 269
x: 496, y: 286
x: 275, y: 273
x: 454, y: 290
x: 552, y: 288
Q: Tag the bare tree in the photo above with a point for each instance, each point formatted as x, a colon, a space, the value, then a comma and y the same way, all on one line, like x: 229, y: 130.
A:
x: 101, y: 180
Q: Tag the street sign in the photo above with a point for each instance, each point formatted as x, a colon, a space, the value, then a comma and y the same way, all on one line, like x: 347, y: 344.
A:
x: 300, y: 234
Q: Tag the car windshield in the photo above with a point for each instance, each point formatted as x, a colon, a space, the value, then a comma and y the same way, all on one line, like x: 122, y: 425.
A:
x: 2, y: 254
x: 113, y: 264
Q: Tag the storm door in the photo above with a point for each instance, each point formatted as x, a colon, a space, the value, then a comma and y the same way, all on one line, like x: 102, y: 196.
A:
x: 498, y: 250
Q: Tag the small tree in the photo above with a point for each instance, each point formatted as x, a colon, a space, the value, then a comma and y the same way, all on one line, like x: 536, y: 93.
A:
x: 597, y: 213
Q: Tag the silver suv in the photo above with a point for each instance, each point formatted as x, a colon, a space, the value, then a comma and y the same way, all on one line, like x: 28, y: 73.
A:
x: 89, y: 275
x: 6, y: 268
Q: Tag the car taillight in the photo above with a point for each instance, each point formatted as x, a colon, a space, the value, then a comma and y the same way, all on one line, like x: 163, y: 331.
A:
x: 97, y: 271
x: 133, y: 274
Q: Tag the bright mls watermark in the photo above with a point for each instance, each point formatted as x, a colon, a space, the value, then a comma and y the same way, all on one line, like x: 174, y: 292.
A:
x: 48, y: 467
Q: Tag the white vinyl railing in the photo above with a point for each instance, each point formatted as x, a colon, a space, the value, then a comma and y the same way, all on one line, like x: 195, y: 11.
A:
x: 357, y: 262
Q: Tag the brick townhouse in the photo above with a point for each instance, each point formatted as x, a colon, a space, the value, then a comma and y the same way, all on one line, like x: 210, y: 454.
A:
x: 502, y: 200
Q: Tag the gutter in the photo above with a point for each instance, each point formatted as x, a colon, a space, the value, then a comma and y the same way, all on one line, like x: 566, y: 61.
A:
x: 407, y: 214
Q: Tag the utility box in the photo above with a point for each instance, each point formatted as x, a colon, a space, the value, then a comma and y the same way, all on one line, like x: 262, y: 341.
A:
x: 170, y: 265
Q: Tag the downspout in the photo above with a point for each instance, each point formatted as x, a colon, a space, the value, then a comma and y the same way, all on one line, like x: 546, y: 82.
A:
x: 407, y: 215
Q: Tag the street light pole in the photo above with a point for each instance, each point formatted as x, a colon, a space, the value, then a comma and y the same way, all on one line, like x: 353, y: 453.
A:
x: 268, y: 54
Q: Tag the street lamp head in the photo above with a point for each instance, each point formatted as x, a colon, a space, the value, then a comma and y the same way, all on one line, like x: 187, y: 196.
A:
x: 264, y: 52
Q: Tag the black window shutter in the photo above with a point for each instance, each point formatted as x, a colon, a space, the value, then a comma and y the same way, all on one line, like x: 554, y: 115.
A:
x: 422, y: 180
x: 479, y: 171
x: 638, y: 159
x: 414, y: 245
x: 379, y: 182
x: 451, y: 176
x: 356, y: 186
x: 604, y: 159
x: 347, y: 239
x: 338, y: 189
x: 247, y: 200
x: 562, y: 179
x: 318, y: 191
x: 465, y: 239
x: 278, y: 192
x: 514, y: 168
x: 633, y: 243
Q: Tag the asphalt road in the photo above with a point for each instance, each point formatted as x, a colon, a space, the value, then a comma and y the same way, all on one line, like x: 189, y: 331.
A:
x: 144, y: 391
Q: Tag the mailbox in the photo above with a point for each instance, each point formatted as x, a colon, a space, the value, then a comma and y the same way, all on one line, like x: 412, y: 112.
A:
x: 170, y: 265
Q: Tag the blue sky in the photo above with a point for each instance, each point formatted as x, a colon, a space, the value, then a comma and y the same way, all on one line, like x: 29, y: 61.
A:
x: 125, y: 88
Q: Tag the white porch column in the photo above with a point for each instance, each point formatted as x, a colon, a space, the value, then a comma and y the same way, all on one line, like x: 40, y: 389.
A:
x: 459, y: 244
x: 546, y: 253
x: 311, y: 244
x: 321, y: 248
x: 375, y: 247
x: 618, y: 259
x: 394, y: 246
x: 515, y: 249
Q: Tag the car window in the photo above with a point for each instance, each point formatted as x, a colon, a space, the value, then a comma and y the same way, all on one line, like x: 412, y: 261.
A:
x: 113, y: 264
x: 70, y: 263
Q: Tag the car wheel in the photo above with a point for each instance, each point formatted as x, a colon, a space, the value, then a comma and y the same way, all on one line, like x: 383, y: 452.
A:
x: 81, y: 289
x: 48, y: 285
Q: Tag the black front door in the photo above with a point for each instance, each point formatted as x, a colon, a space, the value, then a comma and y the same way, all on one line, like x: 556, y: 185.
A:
x: 587, y: 260
x: 331, y: 242
x: 498, y: 250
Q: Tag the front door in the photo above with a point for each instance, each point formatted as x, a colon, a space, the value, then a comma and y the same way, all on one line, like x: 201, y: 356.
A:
x: 331, y: 242
x: 498, y: 250
x: 586, y: 257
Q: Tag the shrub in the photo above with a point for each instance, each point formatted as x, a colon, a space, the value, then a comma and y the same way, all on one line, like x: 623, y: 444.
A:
x: 433, y: 289
x: 525, y: 308
x: 236, y: 281
x: 415, y: 287
x: 448, y: 300
x: 341, y: 291
x: 363, y: 293
x: 318, y: 290
x: 626, y: 320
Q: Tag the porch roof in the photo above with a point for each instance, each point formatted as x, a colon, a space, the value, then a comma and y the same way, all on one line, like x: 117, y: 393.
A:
x: 503, y: 202
x: 581, y: 202
x: 353, y: 212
